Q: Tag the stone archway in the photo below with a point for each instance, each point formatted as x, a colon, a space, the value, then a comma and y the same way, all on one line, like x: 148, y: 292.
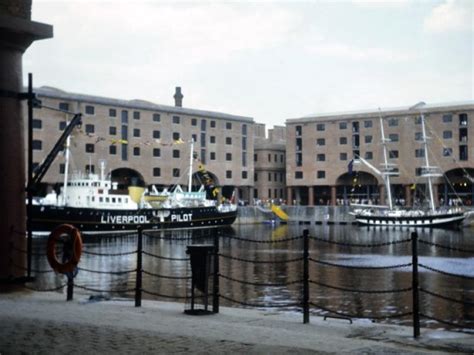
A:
x: 357, y: 187
x: 457, y: 187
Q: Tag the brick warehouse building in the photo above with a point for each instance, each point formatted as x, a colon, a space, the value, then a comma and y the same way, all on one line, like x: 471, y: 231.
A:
x: 144, y: 142
x: 319, y: 149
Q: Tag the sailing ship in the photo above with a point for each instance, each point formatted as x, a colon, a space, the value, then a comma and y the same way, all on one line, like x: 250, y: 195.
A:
x: 94, y: 203
x: 399, y: 217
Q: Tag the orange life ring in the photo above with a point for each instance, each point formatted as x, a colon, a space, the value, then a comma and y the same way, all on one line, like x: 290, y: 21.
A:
x: 76, y: 246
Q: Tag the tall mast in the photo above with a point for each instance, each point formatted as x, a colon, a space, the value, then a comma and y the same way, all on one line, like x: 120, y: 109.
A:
x: 190, y: 182
x: 386, y: 168
x: 428, y: 168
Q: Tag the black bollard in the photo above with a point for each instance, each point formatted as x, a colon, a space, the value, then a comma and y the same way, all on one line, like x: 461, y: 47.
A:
x: 70, y: 286
x: 138, y: 281
x: 305, y: 276
x: 416, y: 299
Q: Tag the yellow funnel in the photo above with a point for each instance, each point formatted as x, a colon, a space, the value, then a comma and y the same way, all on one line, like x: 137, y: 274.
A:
x: 135, y: 193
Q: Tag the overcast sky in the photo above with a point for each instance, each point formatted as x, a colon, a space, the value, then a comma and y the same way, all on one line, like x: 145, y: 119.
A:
x: 267, y: 60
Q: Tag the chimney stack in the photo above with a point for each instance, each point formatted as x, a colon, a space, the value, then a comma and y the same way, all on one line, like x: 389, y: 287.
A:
x: 178, y: 97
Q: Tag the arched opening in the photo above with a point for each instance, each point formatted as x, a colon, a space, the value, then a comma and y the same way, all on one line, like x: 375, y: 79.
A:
x: 457, y: 187
x: 126, y: 177
x: 357, y: 187
x: 207, y: 179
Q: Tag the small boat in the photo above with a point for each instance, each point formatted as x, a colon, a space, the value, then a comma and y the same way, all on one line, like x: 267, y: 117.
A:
x: 388, y: 215
x: 94, y: 203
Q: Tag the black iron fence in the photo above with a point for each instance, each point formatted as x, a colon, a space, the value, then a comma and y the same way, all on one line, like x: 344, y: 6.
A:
x: 304, y: 284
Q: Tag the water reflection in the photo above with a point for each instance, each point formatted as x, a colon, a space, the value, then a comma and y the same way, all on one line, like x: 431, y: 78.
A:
x: 282, y: 270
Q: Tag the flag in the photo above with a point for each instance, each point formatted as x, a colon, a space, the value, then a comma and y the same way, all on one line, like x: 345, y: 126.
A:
x: 350, y: 167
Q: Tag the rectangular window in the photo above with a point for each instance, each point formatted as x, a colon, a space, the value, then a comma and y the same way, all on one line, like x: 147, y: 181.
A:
x: 175, y: 136
x: 393, y: 137
x: 228, y: 125
x: 244, y: 175
x: 37, y: 144
x: 228, y: 174
x: 393, y: 122
x: 255, y: 157
x: 64, y: 106
x: 342, y: 156
x: 269, y: 177
x: 298, y: 131
x: 176, y: 172
x: 393, y: 154
x: 124, y: 117
x: 156, y: 117
x: 136, y: 151
x: 112, y: 149
x: 212, y: 139
x: 175, y: 153
x: 90, y: 128
x: 419, y: 153
x: 463, y: 119
x: 447, y: 118
x: 112, y: 130
x: 90, y: 148
x: 62, y: 168
x: 90, y: 110
x: 194, y: 122
x: 418, y: 136
x: 156, y: 134
x: 156, y: 172
x: 203, y: 125
x: 369, y: 155
x: 367, y: 124
x: 368, y: 139
x: 321, y: 157
x: 90, y: 169
x: 213, y: 124
x: 228, y: 140
x: 156, y: 152
x: 320, y: 127
x: 244, y: 129
x: 228, y: 156
x: 62, y: 125
x: 203, y: 156
x: 320, y: 141
x: 299, y: 159
x: 212, y: 156
x: 194, y: 137
x: 255, y: 178
x: 463, y: 152
x: 298, y: 174
x: 244, y: 159
x: 244, y: 143
x: 136, y: 115
x: 447, y: 134
x: 447, y: 152
x: 136, y: 132
x: 37, y: 123
x: 321, y: 174
x: 112, y: 112
x: 342, y: 125
x: 176, y: 119
x: 342, y: 140
x: 355, y: 127
x: 124, y: 136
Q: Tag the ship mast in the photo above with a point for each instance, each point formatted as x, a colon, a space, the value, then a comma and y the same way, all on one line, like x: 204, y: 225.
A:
x: 428, y: 170
x: 386, y: 168
x: 190, y: 182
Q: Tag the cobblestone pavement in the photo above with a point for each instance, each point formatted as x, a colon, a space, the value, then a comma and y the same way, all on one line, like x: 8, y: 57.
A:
x: 46, y: 324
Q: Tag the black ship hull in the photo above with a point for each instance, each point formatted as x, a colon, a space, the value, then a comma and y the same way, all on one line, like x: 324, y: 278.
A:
x: 46, y: 218
x: 451, y: 220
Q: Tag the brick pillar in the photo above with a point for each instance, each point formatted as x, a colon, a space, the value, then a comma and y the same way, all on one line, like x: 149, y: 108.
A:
x: 311, y: 196
x: 333, y: 195
x: 382, y: 194
x: 17, y: 33
x: 289, y: 194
